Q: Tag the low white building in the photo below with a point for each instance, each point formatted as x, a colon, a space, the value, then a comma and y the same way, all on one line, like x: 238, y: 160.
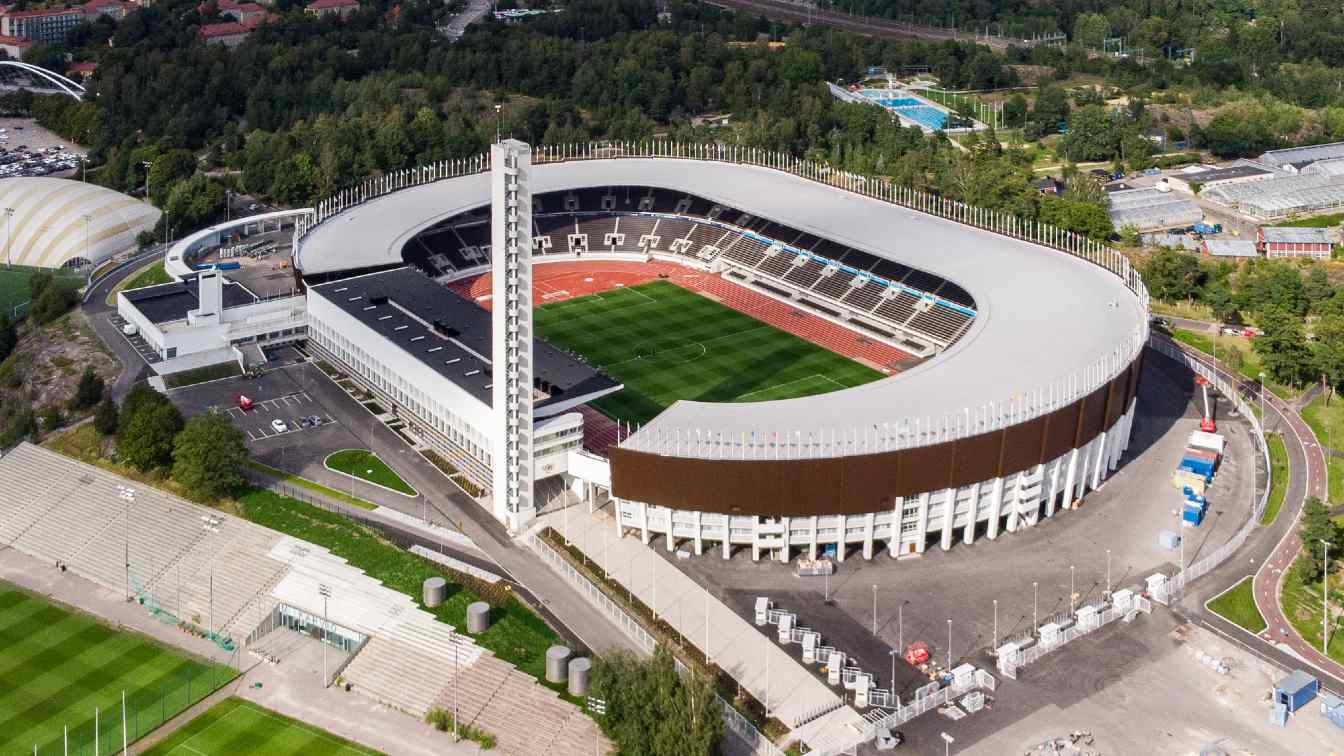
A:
x: 205, y: 319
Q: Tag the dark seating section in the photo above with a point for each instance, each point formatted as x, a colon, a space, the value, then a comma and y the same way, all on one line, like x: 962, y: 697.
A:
x: 610, y: 218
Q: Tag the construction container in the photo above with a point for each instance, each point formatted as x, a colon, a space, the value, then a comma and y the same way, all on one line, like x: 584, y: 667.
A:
x: 1329, y: 702
x: 1193, y: 488
x: 1211, y: 441
x: 1192, y: 517
x: 1169, y: 540
x: 1278, y: 714
x: 1203, y: 454
x: 762, y: 611
x: 973, y: 701
x: 1198, y: 466
x: 1336, y: 717
x: 1296, y: 690
x: 1183, y: 479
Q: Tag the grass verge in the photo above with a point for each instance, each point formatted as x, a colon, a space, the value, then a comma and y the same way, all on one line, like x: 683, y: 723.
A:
x: 59, y: 665
x: 1234, y: 352
x: 1302, y: 605
x: 234, y: 725
x: 202, y: 374
x: 365, y: 465
x: 1327, y: 422
x: 1237, y: 605
x: 311, y: 485
x: 149, y: 275
x: 442, y: 720
x: 1278, y: 477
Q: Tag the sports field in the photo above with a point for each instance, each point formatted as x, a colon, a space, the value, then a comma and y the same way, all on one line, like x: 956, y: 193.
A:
x: 235, y: 726
x: 667, y: 343
x: 15, y: 288
x: 58, y: 666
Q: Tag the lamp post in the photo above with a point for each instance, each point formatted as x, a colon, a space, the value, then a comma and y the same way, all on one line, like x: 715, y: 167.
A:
x: 1325, y: 601
x: 147, y: 164
x: 1073, y: 591
x: 949, y: 644
x: 87, y: 219
x: 874, y: 610
x: 1108, y: 574
x: 892, y: 653
x: 325, y: 591
x: 996, y: 623
x: 1034, y: 621
x: 9, y: 235
x: 127, y: 495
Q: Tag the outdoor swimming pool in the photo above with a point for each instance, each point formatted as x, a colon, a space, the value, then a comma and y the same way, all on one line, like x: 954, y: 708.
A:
x: 913, y: 108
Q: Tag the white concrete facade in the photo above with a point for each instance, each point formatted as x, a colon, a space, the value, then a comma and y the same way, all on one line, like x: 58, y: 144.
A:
x: 1003, y: 504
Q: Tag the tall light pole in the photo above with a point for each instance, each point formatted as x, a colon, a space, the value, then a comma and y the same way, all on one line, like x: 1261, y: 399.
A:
x: 127, y: 496
x: 874, y: 610
x: 949, y: 645
x: 1108, y: 574
x: 9, y: 235
x: 996, y: 623
x: 325, y: 591
x: 1035, y: 623
x: 900, y: 627
x: 1325, y: 601
x: 1262, y: 396
x: 147, y: 164
x: 1073, y: 591
x: 87, y: 218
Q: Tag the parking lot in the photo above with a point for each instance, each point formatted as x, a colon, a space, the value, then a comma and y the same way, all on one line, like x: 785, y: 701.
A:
x: 293, y: 413
x: 136, y: 341
x: 27, y: 149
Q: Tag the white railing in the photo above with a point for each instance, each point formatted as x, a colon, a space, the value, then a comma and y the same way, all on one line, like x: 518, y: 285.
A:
x: 913, y: 432
x: 1228, y: 385
x: 732, y: 718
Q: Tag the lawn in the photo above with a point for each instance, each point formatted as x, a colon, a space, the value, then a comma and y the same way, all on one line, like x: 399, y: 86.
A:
x: 1233, y: 351
x: 516, y: 635
x: 1278, y: 462
x: 1319, y: 221
x: 14, y: 285
x: 667, y: 343
x: 237, y: 726
x: 1302, y: 605
x: 150, y: 275
x: 1237, y: 605
x: 58, y: 666
x: 366, y: 465
x: 311, y: 485
x: 202, y: 374
x: 1327, y: 422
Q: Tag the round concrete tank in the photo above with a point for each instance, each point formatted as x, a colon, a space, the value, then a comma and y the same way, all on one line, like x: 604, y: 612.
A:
x: 478, y: 617
x: 557, y: 664
x: 435, y: 591
x: 578, y: 675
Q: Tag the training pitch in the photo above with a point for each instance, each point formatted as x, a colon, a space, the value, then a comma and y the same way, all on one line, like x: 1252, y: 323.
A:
x: 235, y: 726
x: 58, y: 666
x: 667, y: 343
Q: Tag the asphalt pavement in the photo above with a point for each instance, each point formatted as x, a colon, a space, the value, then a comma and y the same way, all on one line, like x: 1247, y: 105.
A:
x: 96, y: 309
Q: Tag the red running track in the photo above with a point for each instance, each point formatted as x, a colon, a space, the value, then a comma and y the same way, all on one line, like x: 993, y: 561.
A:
x: 558, y: 281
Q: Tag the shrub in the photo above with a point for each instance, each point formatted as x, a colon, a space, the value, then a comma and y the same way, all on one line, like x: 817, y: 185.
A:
x: 105, y: 419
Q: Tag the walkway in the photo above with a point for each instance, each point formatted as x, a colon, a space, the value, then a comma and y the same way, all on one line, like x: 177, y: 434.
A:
x: 753, y: 658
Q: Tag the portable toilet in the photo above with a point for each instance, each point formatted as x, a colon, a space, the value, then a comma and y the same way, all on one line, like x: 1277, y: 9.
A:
x: 833, y: 666
x: 1049, y: 634
x: 1157, y: 583
x: 861, y: 686
x: 1295, y: 690
x: 809, y: 648
x: 963, y: 676
x: 1087, y: 618
x: 762, y: 611
x: 785, y: 628
x: 1122, y: 600
x: 1278, y: 714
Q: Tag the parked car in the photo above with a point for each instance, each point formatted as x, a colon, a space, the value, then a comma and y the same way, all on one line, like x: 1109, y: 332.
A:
x: 279, y: 426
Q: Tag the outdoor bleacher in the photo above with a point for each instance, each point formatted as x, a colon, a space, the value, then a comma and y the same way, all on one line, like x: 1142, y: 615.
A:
x: 810, y: 271
x: 218, y: 571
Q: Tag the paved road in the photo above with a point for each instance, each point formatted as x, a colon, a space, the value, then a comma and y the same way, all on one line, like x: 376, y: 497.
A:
x: 448, y: 502
x: 95, y: 307
x: 873, y: 27
x: 1270, y: 550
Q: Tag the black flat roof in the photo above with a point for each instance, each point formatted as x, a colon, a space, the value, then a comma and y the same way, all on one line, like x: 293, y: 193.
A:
x: 451, y: 334
x: 172, y: 301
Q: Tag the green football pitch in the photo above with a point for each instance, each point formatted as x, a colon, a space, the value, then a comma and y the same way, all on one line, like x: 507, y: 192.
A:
x: 667, y: 343
x: 57, y: 667
x: 235, y: 726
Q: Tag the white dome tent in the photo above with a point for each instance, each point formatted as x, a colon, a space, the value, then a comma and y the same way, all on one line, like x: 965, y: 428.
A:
x: 55, y: 223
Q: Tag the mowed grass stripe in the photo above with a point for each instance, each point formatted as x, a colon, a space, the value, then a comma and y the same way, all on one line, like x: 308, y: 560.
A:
x: 669, y: 343
x: 59, y: 665
x: 237, y: 726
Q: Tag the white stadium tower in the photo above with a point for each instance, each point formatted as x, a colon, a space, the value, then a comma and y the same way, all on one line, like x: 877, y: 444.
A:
x: 1028, y: 339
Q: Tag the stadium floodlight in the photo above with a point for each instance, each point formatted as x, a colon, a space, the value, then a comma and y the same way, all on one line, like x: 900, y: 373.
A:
x: 325, y: 591
x: 127, y: 495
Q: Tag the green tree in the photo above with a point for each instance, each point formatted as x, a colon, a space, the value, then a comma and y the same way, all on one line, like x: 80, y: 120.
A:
x: 145, y: 440
x: 89, y: 391
x: 1283, y: 348
x: 653, y: 711
x: 166, y: 170
x: 207, y: 456
x: 194, y: 202
x: 1093, y: 135
x: 9, y: 336
x: 1172, y: 276
x: 1316, y: 526
x: 1015, y: 111
x: 105, y: 420
x: 1091, y: 30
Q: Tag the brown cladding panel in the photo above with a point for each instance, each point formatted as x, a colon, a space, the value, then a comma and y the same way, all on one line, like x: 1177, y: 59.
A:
x: 1117, y: 403
x: 1022, y: 445
x: 862, y: 483
x: 1061, y: 427
x: 977, y: 458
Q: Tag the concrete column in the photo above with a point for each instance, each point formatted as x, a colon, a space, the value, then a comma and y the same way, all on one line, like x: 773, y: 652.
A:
x: 727, y: 544
x: 644, y: 522
x: 812, y: 540
x: 995, y: 509
x: 922, y: 532
x: 1100, y: 443
x: 671, y: 525
x: 755, y: 539
x: 949, y: 509
x: 842, y: 521
x: 784, y: 552
x: 1070, y: 477
x: 699, y: 532
x: 968, y: 533
x: 868, y: 535
x: 897, y: 521
x: 1050, y: 482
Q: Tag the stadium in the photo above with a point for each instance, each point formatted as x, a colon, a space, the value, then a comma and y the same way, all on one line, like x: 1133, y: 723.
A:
x: 737, y: 349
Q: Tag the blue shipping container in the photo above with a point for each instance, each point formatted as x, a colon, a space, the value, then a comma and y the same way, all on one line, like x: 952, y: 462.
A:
x: 1198, y: 467
x: 1296, y: 690
x: 1193, y: 516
